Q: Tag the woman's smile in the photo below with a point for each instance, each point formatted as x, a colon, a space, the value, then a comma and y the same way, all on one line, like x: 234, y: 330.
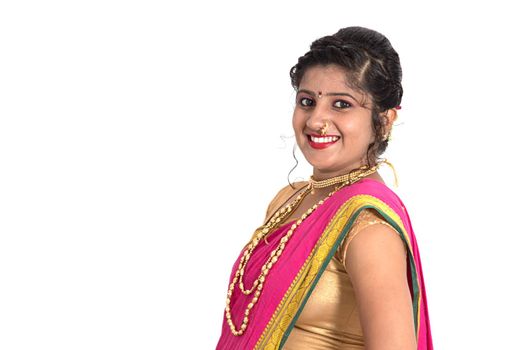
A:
x: 322, y: 142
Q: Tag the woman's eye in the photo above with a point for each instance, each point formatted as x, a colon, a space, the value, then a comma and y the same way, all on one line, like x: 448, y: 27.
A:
x: 342, y: 104
x: 305, y: 102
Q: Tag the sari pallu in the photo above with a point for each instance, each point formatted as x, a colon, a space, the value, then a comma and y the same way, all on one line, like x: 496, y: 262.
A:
x: 293, y: 278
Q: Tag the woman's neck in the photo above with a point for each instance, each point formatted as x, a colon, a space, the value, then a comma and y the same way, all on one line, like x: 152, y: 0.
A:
x: 319, y: 175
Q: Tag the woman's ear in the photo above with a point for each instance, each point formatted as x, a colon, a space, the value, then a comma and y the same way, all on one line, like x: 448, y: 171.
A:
x: 389, y: 118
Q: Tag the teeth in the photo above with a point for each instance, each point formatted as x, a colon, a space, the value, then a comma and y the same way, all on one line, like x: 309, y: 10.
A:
x: 324, y: 139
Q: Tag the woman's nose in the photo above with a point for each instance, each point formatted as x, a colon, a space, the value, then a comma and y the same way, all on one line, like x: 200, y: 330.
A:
x: 317, y: 118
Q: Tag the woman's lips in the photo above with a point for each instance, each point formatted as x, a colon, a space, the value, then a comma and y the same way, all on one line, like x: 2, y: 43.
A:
x: 321, y: 142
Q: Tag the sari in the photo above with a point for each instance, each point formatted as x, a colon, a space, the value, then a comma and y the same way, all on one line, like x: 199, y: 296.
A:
x: 308, y: 252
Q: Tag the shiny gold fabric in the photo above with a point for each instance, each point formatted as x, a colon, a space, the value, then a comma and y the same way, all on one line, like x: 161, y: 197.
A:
x: 330, y: 319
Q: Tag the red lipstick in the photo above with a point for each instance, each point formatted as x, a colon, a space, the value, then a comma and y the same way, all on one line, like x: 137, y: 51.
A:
x: 321, y: 141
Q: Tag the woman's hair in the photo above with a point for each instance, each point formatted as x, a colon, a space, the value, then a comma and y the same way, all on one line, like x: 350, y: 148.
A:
x: 373, y: 67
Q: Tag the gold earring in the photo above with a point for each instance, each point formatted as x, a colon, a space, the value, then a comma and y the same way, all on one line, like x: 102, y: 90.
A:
x: 323, y: 130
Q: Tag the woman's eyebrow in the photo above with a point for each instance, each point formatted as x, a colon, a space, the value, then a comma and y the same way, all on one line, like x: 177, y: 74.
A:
x: 328, y: 93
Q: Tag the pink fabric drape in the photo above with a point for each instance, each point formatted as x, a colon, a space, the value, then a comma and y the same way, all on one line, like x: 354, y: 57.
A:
x: 298, y: 249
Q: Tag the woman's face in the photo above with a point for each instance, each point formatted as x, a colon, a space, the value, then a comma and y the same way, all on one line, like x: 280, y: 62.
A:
x: 323, y: 96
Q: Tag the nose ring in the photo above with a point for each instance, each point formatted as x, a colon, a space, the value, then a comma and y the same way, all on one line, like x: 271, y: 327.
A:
x: 323, y: 130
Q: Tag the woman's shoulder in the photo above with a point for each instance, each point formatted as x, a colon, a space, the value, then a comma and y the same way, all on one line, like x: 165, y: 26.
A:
x: 367, y: 217
x: 283, y: 195
x: 377, y: 190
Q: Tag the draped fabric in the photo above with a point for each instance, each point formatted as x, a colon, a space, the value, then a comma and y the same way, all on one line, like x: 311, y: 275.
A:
x: 293, y: 278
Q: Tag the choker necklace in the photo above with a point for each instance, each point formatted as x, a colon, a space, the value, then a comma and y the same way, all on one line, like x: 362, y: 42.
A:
x: 351, y: 177
x: 262, y: 232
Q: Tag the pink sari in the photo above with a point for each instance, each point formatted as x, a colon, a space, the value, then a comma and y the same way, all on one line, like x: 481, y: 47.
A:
x: 292, y: 280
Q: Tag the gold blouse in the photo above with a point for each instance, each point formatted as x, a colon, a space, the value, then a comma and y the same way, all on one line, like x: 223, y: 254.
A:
x: 330, y: 318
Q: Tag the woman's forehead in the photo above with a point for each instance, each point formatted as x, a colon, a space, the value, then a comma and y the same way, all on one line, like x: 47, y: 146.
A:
x: 327, y: 77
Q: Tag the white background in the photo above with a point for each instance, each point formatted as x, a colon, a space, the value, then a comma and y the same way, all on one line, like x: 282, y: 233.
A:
x: 141, y: 141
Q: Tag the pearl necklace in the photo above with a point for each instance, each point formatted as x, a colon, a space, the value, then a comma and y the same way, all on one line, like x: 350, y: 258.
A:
x: 279, y: 217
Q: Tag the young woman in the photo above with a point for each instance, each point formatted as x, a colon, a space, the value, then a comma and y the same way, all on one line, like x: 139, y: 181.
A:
x: 336, y: 264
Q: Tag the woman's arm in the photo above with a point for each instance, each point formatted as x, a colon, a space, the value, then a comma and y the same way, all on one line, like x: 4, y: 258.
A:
x: 376, y: 264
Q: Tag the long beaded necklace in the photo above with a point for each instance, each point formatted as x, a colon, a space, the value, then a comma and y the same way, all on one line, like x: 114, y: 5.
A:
x: 279, y: 217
